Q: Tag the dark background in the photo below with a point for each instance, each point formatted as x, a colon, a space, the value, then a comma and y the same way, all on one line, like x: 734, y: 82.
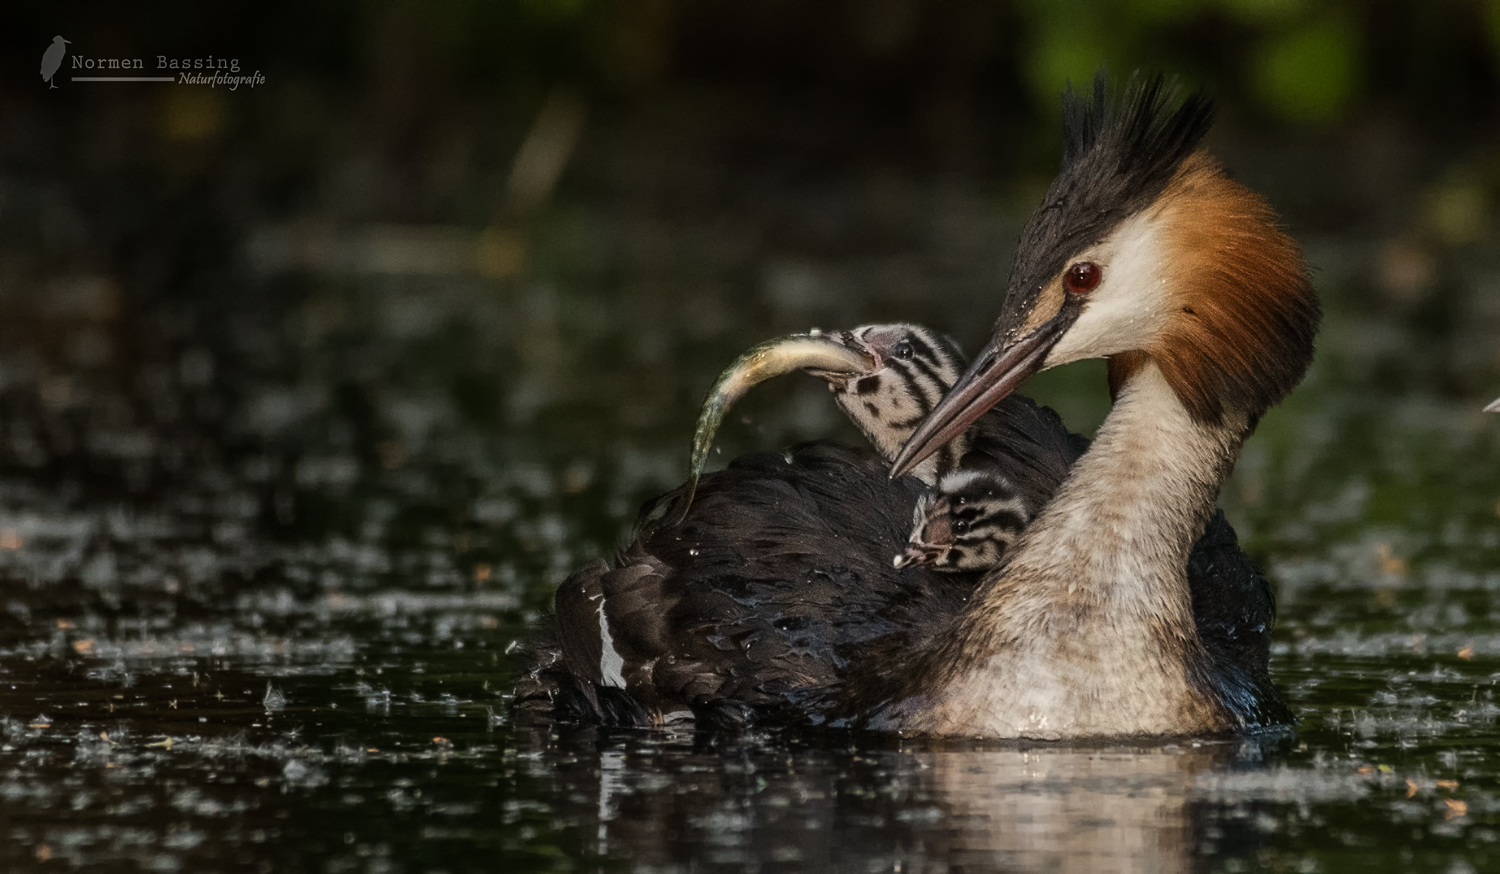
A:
x: 438, y: 98
x: 321, y: 387
x: 470, y: 241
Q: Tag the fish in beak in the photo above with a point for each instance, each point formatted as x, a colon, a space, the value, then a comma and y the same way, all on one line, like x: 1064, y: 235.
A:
x: 820, y: 353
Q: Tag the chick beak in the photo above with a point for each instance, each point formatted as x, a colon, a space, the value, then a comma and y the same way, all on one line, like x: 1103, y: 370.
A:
x: 842, y: 357
x: 1000, y: 368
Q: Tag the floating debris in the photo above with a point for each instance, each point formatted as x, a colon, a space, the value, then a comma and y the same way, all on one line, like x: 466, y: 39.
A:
x: 274, y: 699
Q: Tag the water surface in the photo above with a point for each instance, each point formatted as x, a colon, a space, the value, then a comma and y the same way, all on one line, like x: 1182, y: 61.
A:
x: 265, y: 539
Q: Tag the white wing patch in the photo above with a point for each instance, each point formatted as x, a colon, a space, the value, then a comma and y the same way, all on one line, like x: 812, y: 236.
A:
x: 611, y: 664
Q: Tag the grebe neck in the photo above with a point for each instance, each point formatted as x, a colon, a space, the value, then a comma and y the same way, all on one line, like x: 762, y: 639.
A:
x: 1123, y: 523
x: 1088, y: 627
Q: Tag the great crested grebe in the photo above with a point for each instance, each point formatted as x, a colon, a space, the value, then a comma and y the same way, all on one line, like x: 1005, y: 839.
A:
x: 775, y: 597
x: 967, y: 521
x: 911, y: 369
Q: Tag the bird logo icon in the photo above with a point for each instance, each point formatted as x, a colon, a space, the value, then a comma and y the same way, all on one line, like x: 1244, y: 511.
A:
x: 52, y: 60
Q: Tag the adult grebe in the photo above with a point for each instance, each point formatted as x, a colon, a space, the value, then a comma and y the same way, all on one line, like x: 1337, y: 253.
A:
x: 1144, y: 252
x: 775, y: 597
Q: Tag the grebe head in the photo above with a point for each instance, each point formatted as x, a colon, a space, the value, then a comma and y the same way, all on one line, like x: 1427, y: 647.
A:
x: 1144, y: 250
x: 966, y: 523
x: 910, y: 369
x: 886, y: 378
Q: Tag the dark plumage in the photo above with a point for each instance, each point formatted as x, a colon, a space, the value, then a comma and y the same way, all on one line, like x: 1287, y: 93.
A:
x: 778, y: 577
x: 775, y: 600
x: 1124, y: 608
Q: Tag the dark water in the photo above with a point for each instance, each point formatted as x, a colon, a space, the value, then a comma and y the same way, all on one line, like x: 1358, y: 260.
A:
x: 264, y: 543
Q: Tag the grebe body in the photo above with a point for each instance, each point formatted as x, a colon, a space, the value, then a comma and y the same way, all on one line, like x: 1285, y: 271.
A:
x: 787, y: 552
x: 1123, y: 608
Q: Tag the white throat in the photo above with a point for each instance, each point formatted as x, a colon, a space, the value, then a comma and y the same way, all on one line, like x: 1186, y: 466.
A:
x: 1088, y: 628
x: 1128, y: 514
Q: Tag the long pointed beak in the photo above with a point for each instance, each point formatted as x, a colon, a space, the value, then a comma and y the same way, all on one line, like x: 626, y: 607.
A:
x: 997, y: 372
x: 1493, y: 406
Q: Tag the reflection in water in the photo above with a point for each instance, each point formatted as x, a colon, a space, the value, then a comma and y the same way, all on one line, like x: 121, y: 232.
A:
x: 674, y: 802
x: 1096, y: 810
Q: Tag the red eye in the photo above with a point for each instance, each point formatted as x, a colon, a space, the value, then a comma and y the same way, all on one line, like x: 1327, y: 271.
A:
x: 1083, y: 277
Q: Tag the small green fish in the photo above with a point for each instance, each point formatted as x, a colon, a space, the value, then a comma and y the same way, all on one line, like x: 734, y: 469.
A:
x: 814, y: 350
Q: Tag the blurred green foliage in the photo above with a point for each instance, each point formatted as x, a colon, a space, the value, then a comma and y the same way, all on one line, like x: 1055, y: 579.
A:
x: 1300, y: 61
x: 1293, y: 61
x: 1310, y: 72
